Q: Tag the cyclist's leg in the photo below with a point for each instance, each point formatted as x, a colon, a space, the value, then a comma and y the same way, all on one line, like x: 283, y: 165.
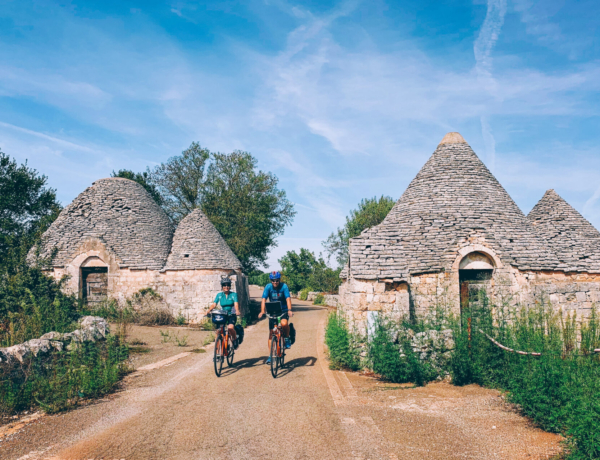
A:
x: 285, y: 327
x: 231, y: 330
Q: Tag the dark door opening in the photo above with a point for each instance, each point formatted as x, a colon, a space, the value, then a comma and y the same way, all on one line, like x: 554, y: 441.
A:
x: 95, y: 284
x: 473, y: 287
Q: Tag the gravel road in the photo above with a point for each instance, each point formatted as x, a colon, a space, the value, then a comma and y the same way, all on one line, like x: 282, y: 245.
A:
x: 183, y: 411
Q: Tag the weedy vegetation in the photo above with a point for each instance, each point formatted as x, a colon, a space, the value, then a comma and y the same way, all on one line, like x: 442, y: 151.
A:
x: 559, y: 390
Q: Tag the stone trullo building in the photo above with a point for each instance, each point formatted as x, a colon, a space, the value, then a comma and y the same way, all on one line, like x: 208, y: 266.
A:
x: 455, y: 230
x: 114, y: 240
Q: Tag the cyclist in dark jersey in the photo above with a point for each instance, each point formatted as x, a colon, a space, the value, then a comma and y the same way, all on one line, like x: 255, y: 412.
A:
x: 274, y: 292
x: 228, y: 301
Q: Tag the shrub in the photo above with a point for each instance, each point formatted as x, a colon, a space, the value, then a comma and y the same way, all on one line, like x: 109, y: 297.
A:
x: 303, y: 294
x: 397, y: 362
x: 343, y: 351
x: 90, y: 370
x: 180, y: 320
x: 33, y: 304
x: 319, y: 299
x: 559, y: 390
x: 150, y: 309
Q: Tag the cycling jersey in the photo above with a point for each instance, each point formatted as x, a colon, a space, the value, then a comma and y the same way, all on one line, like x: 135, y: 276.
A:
x: 226, y: 300
x: 281, y: 293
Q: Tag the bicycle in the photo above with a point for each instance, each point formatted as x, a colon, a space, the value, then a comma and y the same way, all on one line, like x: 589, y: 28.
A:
x: 277, y: 354
x: 224, y: 348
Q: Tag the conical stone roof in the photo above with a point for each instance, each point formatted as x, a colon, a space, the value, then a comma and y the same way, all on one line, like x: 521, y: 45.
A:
x: 120, y: 213
x: 197, y: 244
x: 454, y: 199
x: 575, y: 241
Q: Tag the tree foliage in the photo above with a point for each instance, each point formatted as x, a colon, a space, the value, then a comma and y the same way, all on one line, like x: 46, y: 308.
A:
x: 27, y: 208
x: 305, y: 271
x: 370, y: 212
x: 243, y: 203
x: 180, y: 181
x: 143, y: 179
x: 30, y: 303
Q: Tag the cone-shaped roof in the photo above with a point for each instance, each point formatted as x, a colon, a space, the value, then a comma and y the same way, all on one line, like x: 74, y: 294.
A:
x: 454, y: 199
x: 119, y: 212
x: 197, y: 244
x: 575, y: 241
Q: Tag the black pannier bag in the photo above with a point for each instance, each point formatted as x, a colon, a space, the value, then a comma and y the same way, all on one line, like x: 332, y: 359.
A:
x: 292, y: 334
x: 239, y: 330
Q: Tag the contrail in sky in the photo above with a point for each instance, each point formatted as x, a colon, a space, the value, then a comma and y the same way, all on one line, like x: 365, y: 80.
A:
x: 488, y: 35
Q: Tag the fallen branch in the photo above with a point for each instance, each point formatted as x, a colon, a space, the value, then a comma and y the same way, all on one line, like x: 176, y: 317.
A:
x: 525, y: 353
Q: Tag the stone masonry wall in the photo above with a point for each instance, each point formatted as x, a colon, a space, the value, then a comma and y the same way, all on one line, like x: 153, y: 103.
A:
x: 566, y: 291
x: 187, y: 292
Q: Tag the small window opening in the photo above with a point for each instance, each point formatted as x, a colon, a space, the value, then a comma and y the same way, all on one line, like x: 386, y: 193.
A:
x: 186, y: 255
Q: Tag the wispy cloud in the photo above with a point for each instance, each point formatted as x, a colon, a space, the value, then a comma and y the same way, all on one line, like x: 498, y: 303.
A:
x: 488, y: 35
x: 339, y: 104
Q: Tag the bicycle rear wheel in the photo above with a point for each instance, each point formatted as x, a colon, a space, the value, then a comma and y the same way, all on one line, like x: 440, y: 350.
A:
x: 218, y: 359
x: 282, y: 351
x: 230, y: 351
x: 274, y: 357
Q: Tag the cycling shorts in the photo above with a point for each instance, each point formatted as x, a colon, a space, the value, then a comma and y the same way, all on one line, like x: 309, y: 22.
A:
x: 273, y: 321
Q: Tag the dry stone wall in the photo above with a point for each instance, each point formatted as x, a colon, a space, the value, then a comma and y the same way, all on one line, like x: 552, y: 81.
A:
x: 91, y: 329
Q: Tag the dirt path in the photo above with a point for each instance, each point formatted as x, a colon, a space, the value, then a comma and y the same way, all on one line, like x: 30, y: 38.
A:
x: 182, y: 411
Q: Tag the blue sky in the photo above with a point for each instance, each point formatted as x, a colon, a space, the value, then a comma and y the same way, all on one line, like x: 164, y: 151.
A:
x: 341, y: 100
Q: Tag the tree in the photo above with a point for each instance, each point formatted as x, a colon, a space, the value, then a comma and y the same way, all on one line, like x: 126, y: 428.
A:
x: 370, y: 212
x: 143, y: 179
x: 180, y: 181
x: 245, y: 205
x: 30, y: 303
x: 27, y: 208
x: 304, y: 270
x: 298, y: 268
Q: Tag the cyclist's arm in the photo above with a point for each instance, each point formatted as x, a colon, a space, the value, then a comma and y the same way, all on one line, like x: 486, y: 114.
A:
x: 214, y: 304
x: 237, y: 308
x: 288, y: 299
x: 262, y: 307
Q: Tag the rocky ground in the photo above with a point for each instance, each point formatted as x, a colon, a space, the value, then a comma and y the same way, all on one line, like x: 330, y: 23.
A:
x: 174, y: 407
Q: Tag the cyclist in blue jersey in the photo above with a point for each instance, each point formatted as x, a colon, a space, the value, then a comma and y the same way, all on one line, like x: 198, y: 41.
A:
x: 275, y: 291
x: 228, y: 301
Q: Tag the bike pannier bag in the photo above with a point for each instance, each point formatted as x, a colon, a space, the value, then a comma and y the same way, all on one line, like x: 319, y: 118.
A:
x: 239, y: 330
x: 292, y: 334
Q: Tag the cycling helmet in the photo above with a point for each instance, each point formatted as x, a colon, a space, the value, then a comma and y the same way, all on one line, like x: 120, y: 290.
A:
x: 274, y: 276
x: 225, y: 282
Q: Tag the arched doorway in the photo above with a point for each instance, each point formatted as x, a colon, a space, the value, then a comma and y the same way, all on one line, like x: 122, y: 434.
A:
x: 94, y: 280
x: 475, y: 274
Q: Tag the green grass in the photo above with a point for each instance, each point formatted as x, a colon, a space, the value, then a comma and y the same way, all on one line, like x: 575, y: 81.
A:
x: 89, y: 371
x: 319, y: 299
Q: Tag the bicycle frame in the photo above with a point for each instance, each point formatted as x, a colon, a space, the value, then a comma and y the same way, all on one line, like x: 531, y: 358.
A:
x: 276, y: 331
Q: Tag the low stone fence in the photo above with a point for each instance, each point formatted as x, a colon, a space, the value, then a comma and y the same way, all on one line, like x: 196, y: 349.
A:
x: 92, y: 328
x: 329, y: 300
x: 433, y: 346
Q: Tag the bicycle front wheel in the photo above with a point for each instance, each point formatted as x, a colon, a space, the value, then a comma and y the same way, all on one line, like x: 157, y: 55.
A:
x: 274, y: 357
x: 218, y: 359
x: 230, y: 351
